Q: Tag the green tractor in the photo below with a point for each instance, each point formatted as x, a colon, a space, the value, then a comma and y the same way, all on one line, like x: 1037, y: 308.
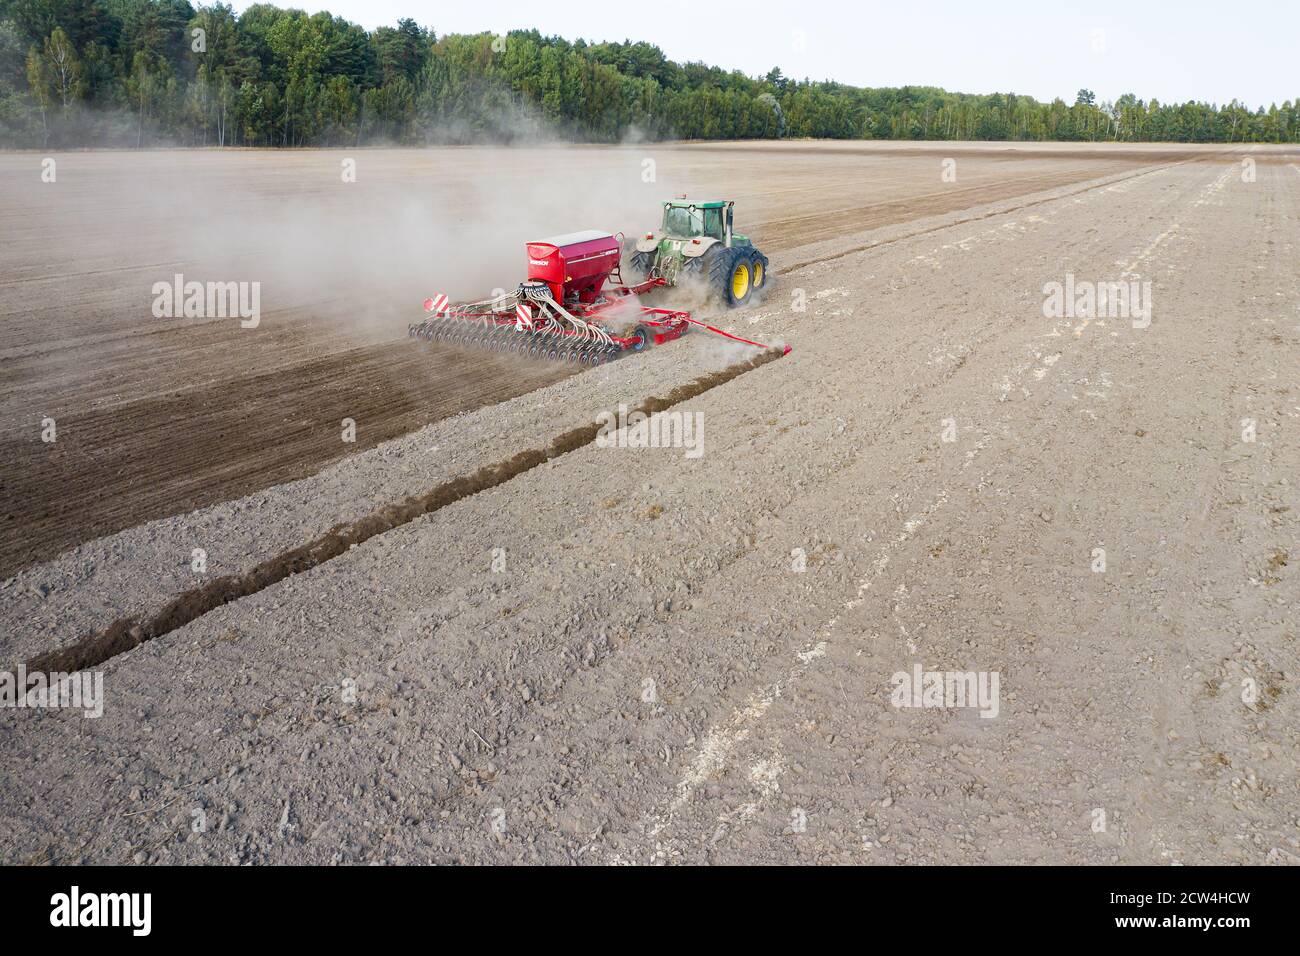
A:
x: 696, y: 240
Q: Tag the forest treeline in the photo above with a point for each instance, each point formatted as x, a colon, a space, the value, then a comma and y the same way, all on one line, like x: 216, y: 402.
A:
x: 165, y: 72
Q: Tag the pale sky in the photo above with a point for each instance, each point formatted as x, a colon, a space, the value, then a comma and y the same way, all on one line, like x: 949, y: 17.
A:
x: 1173, y: 51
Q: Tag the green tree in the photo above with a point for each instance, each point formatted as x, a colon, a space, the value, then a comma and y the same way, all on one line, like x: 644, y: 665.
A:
x: 62, y: 66
x: 146, y: 85
x: 271, y: 76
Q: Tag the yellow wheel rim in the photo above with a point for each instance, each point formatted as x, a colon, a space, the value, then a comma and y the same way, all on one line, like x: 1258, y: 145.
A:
x: 758, y: 274
x: 740, y: 281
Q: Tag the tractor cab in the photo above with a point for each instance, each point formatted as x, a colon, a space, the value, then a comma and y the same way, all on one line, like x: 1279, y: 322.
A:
x: 688, y: 220
x: 696, y: 239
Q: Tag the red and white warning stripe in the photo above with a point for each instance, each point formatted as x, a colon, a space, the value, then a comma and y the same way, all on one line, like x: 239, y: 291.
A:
x: 437, y: 304
x: 523, y: 317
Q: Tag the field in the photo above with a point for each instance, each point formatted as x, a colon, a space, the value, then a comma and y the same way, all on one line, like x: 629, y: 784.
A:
x: 167, y: 415
x: 470, y: 637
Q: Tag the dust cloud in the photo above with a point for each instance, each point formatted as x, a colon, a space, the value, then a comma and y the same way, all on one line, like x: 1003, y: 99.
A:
x: 450, y: 220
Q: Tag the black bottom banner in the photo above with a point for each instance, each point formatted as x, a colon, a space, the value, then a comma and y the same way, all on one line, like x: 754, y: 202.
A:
x: 1220, y: 906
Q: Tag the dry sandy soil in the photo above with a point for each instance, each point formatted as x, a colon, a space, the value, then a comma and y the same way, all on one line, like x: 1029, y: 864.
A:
x: 615, y: 655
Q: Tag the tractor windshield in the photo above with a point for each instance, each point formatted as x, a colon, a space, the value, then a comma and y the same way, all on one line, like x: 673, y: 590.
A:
x: 681, y: 221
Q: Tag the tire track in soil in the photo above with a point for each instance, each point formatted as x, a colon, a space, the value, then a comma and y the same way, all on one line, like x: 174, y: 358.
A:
x: 798, y: 231
x: 990, y: 215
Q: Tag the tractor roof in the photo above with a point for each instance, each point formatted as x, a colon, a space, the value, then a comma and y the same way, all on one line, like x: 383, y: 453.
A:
x: 698, y: 204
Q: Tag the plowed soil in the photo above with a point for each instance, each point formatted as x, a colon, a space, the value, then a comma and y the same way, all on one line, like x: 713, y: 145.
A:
x: 157, y: 417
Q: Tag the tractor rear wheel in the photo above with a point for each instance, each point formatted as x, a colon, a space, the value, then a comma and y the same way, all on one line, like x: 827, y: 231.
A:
x: 741, y: 281
x: 731, y: 273
x: 641, y: 263
x: 728, y: 272
x: 759, y: 271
